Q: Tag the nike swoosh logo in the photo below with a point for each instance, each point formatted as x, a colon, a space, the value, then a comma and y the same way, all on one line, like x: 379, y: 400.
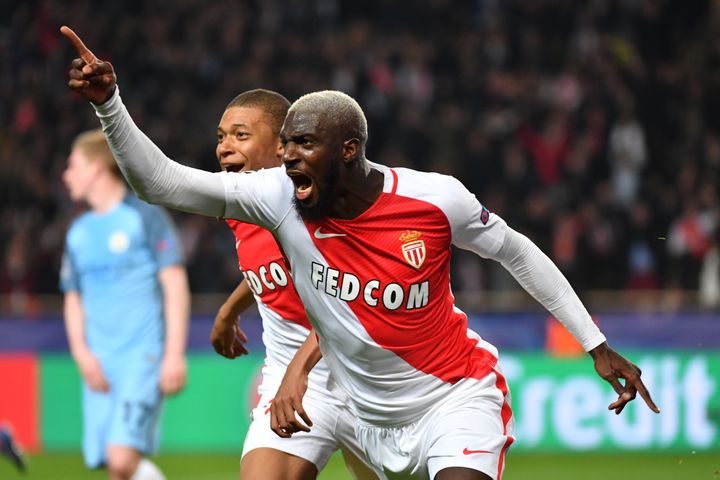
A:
x: 470, y: 452
x: 237, y: 244
x: 321, y: 235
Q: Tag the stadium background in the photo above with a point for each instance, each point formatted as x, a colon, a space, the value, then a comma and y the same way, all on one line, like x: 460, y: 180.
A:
x: 589, y: 126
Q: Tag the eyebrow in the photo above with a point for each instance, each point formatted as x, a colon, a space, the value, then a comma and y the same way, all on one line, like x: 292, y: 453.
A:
x: 234, y: 126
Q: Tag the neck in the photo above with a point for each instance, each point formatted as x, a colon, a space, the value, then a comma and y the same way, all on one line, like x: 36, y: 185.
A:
x: 357, y: 191
x: 106, y: 193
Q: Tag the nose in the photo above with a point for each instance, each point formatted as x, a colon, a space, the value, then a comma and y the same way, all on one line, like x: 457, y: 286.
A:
x: 289, y: 156
x: 224, y: 148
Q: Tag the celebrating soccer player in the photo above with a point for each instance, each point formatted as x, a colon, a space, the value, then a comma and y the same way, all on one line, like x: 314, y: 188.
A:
x: 248, y: 140
x: 369, y: 250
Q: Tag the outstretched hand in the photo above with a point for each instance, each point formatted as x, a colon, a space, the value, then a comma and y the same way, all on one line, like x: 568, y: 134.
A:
x: 91, y: 77
x: 612, y: 366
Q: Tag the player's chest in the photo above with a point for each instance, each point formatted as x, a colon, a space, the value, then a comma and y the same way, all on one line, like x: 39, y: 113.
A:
x: 404, y: 243
x: 104, y: 243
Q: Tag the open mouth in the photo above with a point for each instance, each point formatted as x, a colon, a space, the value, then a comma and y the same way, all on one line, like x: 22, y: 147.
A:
x: 303, y: 184
x: 233, y: 167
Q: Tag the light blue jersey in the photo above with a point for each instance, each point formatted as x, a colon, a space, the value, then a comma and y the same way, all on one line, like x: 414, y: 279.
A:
x: 112, y: 260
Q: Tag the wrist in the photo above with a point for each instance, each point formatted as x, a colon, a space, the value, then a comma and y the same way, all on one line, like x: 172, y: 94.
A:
x: 600, y: 350
x: 79, y: 352
x: 228, y: 314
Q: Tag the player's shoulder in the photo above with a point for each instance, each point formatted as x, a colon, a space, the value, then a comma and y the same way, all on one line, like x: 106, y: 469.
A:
x: 433, y: 187
x: 80, y: 222
x: 411, y: 177
x: 132, y: 202
x: 150, y: 215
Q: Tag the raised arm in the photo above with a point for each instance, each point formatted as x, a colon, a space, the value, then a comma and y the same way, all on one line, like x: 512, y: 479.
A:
x: 153, y: 176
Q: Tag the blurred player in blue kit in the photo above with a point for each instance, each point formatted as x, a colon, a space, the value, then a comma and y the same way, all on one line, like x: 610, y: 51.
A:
x: 126, y: 312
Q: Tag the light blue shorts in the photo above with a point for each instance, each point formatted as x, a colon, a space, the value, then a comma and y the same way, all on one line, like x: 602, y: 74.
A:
x: 127, y: 415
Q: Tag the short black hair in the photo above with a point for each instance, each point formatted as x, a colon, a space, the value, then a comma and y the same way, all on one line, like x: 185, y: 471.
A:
x: 272, y: 103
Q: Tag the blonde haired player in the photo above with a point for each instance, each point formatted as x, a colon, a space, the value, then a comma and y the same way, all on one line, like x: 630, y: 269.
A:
x: 126, y: 312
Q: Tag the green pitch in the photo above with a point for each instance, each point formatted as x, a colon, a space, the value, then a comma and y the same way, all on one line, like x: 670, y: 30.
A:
x: 200, y: 466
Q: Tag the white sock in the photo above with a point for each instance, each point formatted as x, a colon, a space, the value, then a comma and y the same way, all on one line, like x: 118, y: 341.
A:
x: 147, y: 470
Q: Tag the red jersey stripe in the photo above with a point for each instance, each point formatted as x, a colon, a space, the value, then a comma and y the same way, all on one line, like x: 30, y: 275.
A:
x: 264, y: 268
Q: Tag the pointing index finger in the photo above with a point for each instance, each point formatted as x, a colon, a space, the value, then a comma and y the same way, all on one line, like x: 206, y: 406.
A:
x: 82, y: 50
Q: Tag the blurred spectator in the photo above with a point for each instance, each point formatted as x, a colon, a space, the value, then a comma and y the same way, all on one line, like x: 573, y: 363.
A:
x: 709, y: 288
x: 587, y: 124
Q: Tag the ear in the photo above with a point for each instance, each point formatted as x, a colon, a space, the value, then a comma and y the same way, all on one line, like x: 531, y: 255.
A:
x: 350, y: 150
x: 279, y: 149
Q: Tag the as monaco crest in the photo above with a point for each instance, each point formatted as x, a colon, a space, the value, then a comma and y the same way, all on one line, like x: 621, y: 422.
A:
x: 412, y: 248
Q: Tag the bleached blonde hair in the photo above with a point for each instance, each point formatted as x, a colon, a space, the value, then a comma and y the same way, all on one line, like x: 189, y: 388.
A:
x: 340, y: 107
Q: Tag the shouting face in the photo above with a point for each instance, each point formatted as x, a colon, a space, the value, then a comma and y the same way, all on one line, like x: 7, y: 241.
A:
x: 312, y: 157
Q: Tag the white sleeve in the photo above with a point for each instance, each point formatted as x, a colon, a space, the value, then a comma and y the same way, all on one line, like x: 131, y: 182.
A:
x: 543, y: 280
x: 476, y: 229
x: 157, y: 179
x: 473, y: 226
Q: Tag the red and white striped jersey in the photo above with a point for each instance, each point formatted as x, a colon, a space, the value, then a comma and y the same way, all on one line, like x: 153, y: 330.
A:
x: 377, y: 287
x: 285, y: 324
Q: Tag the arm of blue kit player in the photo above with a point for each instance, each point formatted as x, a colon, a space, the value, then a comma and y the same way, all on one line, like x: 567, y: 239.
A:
x: 227, y: 337
x: 288, y: 399
x: 88, y: 365
x: 176, y: 307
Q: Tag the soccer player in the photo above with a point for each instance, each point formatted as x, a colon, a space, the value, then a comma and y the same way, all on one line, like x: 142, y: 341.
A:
x: 369, y: 250
x: 248, y: 140
x: 126, y: 312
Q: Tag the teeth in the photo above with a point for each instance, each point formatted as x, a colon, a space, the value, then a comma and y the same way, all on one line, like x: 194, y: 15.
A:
x: 302, y: 192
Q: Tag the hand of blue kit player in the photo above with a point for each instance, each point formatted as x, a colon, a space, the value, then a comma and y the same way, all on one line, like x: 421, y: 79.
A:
x: 612, y: 366
x: 91, y: 77
x: 288, y: 401
x: 91, y: 372
x: 227, y: 337
x: 173, y: 374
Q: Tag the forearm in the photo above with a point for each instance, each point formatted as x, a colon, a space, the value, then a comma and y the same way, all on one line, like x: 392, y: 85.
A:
x: 543, y: 280
x: 307, y: 356
x: 151, y: 174
x: 75, y: 324
x: 176, y: 303
x: 238, y: 301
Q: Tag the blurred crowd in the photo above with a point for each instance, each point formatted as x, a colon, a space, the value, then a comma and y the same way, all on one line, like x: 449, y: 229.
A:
x: 589, y: 126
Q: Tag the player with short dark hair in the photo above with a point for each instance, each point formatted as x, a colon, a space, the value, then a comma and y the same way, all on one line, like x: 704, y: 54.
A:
x: 369, y: 248
x: 248, y: 139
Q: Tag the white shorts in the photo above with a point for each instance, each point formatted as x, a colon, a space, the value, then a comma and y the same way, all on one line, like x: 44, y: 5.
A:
x: 471, y: 428
x: 333, y: 426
